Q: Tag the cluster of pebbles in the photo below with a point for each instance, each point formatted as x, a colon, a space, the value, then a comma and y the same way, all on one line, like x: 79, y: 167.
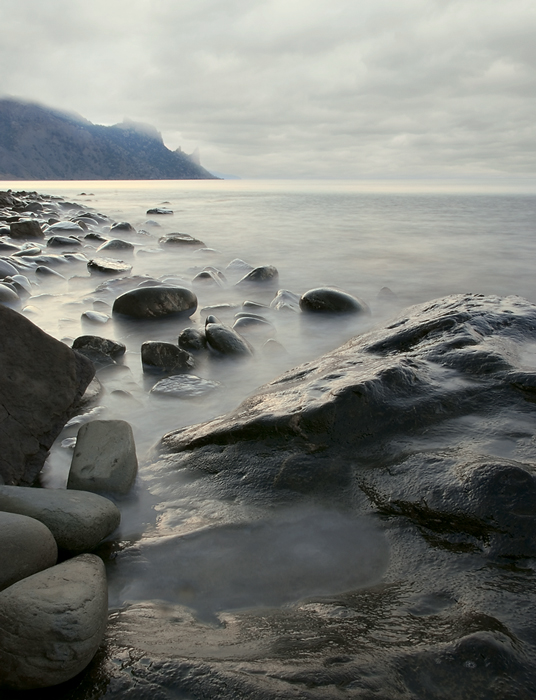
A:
x: 53, y: 615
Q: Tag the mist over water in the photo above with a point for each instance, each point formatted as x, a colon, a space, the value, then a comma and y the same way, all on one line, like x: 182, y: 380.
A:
x: 192, y: 547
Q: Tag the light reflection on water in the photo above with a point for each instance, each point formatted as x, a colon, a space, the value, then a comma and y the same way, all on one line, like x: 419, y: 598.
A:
x: 419, y: 244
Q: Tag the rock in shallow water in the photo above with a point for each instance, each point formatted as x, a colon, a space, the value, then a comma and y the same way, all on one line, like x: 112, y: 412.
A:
x: 156, y: 302
x: 331, y: 301
x: 184, y: 386
x: 52, y: 623
x: 157, y: 356
x: 104, y: 458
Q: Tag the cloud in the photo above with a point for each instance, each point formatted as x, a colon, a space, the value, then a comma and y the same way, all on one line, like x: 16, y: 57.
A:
x: 291, y: 89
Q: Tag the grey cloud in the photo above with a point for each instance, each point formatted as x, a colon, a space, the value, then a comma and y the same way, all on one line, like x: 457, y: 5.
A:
x: 290, y: 89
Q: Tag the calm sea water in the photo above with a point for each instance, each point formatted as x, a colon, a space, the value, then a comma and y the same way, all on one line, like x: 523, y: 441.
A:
x: 420, y: 241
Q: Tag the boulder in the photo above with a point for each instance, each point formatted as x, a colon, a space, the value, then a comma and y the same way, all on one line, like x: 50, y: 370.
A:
x: 192, y: 340
x: 23, y: 230
x: 8, y: 295
x: 266, y: 275
x: 225, y: 341
x: 100, y: 351
x: 41, y: 384
x: 62, y: 241
x: 26, y: 547
x: 104, y: 458
x: 69, y: 227
x: 122, y: 226
x: 159, y: 210
x: 165, y: 357
x: 331, y: 301
x: 285, y: 300
x: 254, y: 326
x: 156, y: 302
x: 79, y: 520
x: 181, y: 240
x: 7, y: 269
x: 115, y: 244
x: 52, y: 623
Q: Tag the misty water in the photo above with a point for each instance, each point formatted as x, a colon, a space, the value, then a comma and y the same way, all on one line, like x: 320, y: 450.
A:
x: 179, y: 542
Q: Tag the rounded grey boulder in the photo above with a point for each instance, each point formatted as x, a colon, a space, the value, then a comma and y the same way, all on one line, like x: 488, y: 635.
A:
x: 79, y: 520
x: 165, y: 357
x: 26, y: 547
x: 52, y: 623
x: 266, y: 274
x: 225, y: 340
x: 104, y: 457
x: 328, y: 300
x: 156, y: 302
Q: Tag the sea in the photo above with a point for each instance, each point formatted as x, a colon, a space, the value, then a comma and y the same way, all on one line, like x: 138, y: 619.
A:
x: 419, y: 239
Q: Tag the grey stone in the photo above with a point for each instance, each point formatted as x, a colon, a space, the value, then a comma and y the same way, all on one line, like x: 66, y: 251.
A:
x: 254, y: 327
x: 159, y: 210
x: 52, y: 623
x: 41, y: 383
x: 165, y: 357
x: 104, y: 458
x: 156, y: 302
x: 101, y: 351
x: 285, y: 301
x: 69, y: 227
x: 122, y: 226
x: 265, y: 275
x: 8, y: 295
x: 7, y: 269
x: 26, y: 547
x: 192, y: 340
x: 115, y: 244
x: 184, y: 386
x: 79, y: 520
x: 331, y: 301
x: 22, y: 230
x: 225, y: 340
x: 63, y: 241
x: 109, y: 267
x: 183, y: 240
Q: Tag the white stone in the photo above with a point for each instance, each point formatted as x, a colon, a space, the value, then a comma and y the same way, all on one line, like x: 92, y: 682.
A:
x: 26, y: 547
x: 79, y: 520
x: 52, y: 623
x: 104, y: 458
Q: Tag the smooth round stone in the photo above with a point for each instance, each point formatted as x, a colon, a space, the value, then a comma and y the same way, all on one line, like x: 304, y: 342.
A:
x: 208, y: 278
x: 46, y: 271
x: 6, y: 247
x: 254, y: 326
x: 181, y: 239
x: 192, y: 340
x: 156, y: 302
x: 116, y: 244
x: 328, y: 300
x: 184, y: 386
x: 104, y: 458
x: 8, y: 295
x: 7, y: 269
x: 79, y: 520
x: 266, y: 274
x: 23, y: 282
x: 62, y: 241
x: 285, y: 300
x: 26, y: 547
x: 108, y: 267
x: 122, y: 226
x: 95, y: 317
x: 165, y: 357
x: 226, y: 341
x: 64, y: 227
x: 52, y: 623
x: 239, y: 266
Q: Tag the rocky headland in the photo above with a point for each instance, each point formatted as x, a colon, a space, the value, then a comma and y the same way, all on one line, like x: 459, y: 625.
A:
x: 380, y: 499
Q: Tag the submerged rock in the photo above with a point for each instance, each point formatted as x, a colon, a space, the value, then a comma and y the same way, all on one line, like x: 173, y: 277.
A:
x: 156, y: 302
x: 266, y: 274
x: 109, y: 267
x: 184, y: 386
x: 104, y: 458
x: 41, y: 383
x: 192, y: 340
x: 100, y: 351
x: 52, y: 623
x: 115, y: 244
x: 225, y: 340
x: 22, y: 230
x: 181, y: 240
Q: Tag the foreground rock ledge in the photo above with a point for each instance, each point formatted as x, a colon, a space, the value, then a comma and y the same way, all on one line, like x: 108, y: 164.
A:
x: 52, y: 623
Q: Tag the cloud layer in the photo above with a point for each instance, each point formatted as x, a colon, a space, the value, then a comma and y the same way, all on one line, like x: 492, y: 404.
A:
x: 294, y: 88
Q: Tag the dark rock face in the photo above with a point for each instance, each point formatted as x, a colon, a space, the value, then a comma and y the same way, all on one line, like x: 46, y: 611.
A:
x: 41, y: 384
x: 327, y: 300
x: 156, y: 302
x: 328, y: 421
x: 23, y: 230
x: 165, y: 357
x: 192, y: 339
x: 100, y: 351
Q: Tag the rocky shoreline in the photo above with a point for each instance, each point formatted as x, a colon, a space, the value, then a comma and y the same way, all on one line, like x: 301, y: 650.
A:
x: 424, y: 427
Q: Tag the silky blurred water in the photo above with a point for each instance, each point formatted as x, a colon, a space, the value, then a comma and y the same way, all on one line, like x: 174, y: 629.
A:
x: 421, y: 243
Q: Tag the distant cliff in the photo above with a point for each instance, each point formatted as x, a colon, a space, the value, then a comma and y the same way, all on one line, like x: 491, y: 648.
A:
x: 37, y: 143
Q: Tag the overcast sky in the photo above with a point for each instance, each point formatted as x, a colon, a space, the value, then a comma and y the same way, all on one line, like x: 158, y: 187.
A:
x: 293, y: 88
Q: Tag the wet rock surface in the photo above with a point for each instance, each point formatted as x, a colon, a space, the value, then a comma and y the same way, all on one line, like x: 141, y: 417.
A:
x: 26, y: 547
x: 156, y: 302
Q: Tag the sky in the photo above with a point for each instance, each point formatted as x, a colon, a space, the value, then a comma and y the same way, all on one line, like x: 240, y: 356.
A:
x: 293, y: 88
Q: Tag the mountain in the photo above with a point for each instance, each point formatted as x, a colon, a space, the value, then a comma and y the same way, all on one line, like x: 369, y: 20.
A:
x: 38, y: 143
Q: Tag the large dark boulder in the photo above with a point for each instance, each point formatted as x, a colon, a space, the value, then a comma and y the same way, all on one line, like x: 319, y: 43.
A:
x: 156, y: 302
x: 41, y: 383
